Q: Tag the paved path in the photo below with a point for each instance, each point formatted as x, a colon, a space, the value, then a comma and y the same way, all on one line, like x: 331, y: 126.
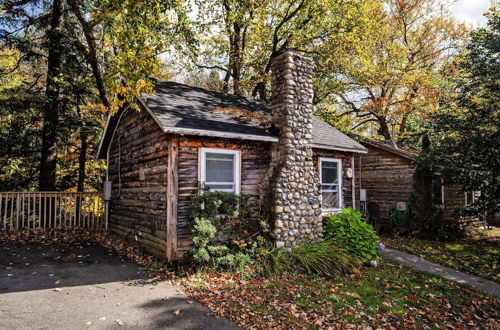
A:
x: 88, y: 287
x: 446, y: 272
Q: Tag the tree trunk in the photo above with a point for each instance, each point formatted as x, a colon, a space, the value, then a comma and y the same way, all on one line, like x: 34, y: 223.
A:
x: 82, y: 157
x: 236, y: 59
x: 384, y: 128
x: 87, y: 28
x: 47, y: 179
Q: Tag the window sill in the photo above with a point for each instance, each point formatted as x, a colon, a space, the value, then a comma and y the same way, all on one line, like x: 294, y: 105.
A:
x: 329, y: 211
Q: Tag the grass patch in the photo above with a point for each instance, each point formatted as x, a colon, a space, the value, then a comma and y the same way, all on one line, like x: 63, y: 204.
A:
x: 478, y: 258
x: 390, y: 295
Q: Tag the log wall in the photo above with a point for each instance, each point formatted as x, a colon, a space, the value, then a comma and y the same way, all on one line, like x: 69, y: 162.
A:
x: 255, y: 159
x: 453, y: 200
x: 139, y: 152
x: 387, y: 177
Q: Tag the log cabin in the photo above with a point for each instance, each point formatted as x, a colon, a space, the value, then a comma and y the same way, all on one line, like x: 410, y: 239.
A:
x: 294, y: 165
x: 386, y: 174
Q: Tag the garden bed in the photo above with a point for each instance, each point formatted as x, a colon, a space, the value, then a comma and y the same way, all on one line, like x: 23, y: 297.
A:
x: 476, y: 257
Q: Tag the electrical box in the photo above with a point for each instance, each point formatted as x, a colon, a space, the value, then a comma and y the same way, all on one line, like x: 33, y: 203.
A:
x: 401, y: 206
x: 349, y: 173
x: 362, y: 195
x: 107, y: 190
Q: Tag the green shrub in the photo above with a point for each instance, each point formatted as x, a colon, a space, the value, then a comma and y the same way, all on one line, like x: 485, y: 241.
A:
x: 447, y: 230
x: 234, y: 217
x: 352, y: 233
x: 324, y: 258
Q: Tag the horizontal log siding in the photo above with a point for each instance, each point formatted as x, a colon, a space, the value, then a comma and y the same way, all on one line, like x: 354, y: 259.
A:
x: 141, y: 205
x: 346, y: 163
x: 388, y: 178
x: 453, y: 200
x: 255, y: 159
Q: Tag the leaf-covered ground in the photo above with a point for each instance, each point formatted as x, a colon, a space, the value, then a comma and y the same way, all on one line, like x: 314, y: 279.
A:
x: 476, y: 257
x: 389, y: 296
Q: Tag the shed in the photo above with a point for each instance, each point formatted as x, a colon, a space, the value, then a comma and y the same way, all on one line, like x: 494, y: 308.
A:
x: 386, y: 173
x: 185, y: 136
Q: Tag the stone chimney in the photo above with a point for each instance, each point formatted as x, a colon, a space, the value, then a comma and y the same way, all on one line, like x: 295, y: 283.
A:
x: 294, y: 181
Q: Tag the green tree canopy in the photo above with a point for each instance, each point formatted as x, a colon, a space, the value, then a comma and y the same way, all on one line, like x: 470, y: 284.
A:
x: 467, y: 128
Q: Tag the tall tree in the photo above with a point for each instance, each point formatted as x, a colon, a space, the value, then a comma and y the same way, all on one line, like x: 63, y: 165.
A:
x: 396, y: 77
x: 115, y: 43
x: 241, y: 38
x: 48, y: 160
x: 467, y: 127
x: 131, y: 35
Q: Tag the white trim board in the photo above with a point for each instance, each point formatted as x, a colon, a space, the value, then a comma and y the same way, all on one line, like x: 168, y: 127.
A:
x: 339, y: 174
x: 236, y: 166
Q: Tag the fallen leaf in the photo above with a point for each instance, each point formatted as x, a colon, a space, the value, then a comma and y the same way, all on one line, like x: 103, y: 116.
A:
x: 176, y: 312
x: 119, y: 322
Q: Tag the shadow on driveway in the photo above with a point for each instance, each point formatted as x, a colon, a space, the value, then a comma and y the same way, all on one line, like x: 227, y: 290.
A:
x: 27, y: 267
x: 85, y: 286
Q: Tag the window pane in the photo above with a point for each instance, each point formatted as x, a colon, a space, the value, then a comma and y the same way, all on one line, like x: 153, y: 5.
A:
x: 330, y: 200
x: 329, y: 172
x: 219, y: 167
x: 219, y: 187
x: 437, y: 191
x: 329, y: 187
x: 469, y: 198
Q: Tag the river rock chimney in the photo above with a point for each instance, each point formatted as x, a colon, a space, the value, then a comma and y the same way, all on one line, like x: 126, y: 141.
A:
x: 295, y: 187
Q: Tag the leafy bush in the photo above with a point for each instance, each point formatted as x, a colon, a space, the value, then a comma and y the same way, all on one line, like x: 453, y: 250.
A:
x: 324, y: 258
x: 352, y: 233
x: 232, y: 217
x: 447, y: 230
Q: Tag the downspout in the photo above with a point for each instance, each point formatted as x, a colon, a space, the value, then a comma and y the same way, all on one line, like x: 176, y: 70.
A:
x: 353, y: 182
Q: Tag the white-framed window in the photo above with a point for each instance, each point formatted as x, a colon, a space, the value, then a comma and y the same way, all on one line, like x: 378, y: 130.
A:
x: 330, y: 173
x: 471, y: 197
x: 220, y: 169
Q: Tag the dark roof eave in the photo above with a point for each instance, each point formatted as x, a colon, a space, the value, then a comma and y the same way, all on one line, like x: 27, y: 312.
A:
x: 391, y: 149
x: 331, y: 147
x: 221, y: 134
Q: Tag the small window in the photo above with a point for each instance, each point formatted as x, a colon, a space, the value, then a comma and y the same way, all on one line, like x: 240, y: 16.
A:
x: 437, y: 191
x: 331, y: 183
x: 220, y: 170
x: 471, y: 197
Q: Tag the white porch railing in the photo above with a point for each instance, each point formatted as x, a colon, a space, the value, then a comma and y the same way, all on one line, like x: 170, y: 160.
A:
x: 31, y: 210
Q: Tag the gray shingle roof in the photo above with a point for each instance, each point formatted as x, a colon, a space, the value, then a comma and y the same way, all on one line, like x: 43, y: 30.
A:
x: 179, y: 106
x: 183, y: 108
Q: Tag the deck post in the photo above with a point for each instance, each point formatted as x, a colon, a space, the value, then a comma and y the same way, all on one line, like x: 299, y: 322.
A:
x: 172, y: 197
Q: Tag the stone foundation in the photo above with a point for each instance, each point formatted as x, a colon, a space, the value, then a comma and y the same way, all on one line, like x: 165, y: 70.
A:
x: 294, y: 182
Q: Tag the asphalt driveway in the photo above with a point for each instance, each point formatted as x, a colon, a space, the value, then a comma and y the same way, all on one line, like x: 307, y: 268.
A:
x: 87, y: 287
